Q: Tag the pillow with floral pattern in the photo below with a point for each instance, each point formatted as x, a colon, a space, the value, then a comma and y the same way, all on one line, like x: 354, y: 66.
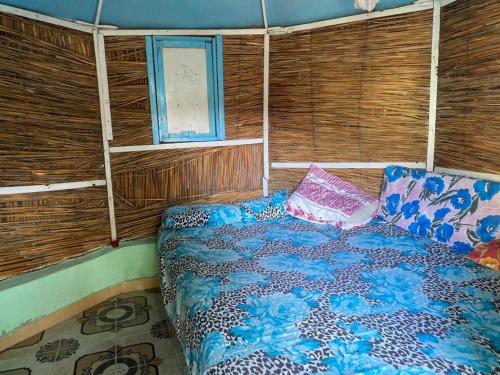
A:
x: 456, y: 210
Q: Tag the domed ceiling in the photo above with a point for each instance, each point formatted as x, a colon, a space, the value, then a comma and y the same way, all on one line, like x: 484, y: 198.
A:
x: 197, y: 14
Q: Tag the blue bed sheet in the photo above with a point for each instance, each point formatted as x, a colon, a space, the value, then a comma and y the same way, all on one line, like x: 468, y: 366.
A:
x: 291, y: 297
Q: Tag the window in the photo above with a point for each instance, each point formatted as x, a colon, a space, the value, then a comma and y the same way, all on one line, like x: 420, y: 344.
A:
x: 186, y: 88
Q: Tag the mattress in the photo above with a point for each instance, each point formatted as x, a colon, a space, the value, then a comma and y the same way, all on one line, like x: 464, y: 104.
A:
x: 291, y: 297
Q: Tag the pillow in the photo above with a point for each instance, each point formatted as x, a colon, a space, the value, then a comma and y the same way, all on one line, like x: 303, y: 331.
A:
x: 265, y: 208
x: 459, y: 211
x: 325, y: 198
x: 197, y: 215
x: 487, y: 254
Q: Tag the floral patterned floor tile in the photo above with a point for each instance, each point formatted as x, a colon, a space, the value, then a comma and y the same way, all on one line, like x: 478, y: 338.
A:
x: 125, y: 335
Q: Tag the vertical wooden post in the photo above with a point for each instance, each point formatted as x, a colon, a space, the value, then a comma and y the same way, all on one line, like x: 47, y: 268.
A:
x: 98, y: 42
x: 265, y: 145
x: 431, y: 137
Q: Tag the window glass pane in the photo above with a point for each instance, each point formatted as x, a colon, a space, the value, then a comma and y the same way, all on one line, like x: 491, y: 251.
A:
x: 185, y: 71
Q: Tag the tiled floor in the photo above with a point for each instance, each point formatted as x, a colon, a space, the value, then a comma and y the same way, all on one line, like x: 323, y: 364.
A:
x: 126, y: 335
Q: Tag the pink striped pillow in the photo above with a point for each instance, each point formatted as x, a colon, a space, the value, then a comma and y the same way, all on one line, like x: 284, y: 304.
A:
x: 325, y: 198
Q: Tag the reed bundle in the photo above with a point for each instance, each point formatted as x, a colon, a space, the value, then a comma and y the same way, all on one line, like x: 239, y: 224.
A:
x: 355, y: 92
x: 144, y: 183
x: 40, y: 229
x: 49, y: 105
x: 468, y: 123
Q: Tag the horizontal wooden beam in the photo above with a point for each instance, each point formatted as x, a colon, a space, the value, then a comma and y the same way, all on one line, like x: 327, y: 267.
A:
x: 182, y: 145
x: 347, y: 165
x: 415, y: 7
x: 460, y: 172
x: 144, y: 32
x: 47, y: 19
x: 9, y: 190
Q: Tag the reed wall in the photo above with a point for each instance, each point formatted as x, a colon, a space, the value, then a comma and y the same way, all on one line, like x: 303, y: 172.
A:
x: 351, y: 93
x: 144, y: 183
x: 50, y: 132
x: 50, y: 124
x: 468, y: 122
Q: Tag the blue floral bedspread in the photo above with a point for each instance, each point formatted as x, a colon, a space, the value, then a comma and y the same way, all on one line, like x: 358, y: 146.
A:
x: 290, y: 297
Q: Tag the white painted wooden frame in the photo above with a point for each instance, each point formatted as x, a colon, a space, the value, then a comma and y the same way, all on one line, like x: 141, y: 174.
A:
x: 431, y: 128
x: 460, y: 172
x: 50, y: 187
x: 346, y: 165
x: 182, y: 32
x: 184, y: 145
x: 102, y: 83
x: 105, y: 144
x: 265, y: 127
x: 419, y: 5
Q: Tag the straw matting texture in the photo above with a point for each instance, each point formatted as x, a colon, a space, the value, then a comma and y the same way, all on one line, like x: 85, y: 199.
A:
x: 129, y: 90
x: 468, y: 124
x: 355, y: 92
x: 369, y: 180
x: 40, y: 229
x: 146, y: 182
x: 49, y: 105
x: 243, y: 86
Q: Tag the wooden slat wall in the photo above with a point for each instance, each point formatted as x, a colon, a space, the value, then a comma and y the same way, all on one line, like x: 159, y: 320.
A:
x: 144, y: 183
x: 50, y: 132
x: 355, y: 92
x: 468, y: 122
x: 49, y: 105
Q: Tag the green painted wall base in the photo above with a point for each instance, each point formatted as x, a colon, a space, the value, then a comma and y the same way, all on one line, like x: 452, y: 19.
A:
x: 28, y: 297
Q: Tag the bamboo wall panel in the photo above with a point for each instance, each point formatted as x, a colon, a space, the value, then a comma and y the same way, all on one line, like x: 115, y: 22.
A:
x: 468, y: 122
x: 144, y: 183
x: 40, y: 229
x: 49, y: 105
x: 129, y: 90
x: 370, y: 180
x: 355, y: 92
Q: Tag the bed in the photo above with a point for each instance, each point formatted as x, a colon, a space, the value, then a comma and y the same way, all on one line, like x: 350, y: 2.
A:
x: 285, y: 296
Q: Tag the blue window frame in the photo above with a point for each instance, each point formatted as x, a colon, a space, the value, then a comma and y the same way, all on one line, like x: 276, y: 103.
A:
x: 161, y: 93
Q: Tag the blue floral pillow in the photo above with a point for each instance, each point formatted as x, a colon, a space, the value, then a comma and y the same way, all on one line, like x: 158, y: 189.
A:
x: 197, y: 215
x: 265, y: 208
x: 459, y: 211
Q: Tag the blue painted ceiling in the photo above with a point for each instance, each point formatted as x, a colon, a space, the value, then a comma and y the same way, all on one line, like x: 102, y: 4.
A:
x: 197, y: 14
